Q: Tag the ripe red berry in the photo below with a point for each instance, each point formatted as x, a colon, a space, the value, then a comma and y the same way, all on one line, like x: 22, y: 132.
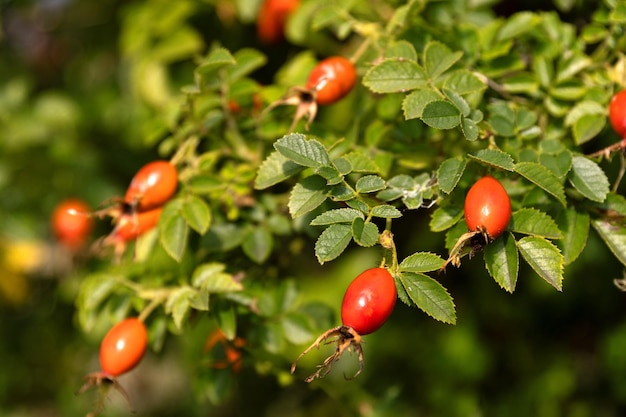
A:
x: 367, y: 304
x: 487, y: 207
x: 123, y: 347
x: 152, y: 186
x: 617, y: 113
x: 272, y: 17
x: 130, y: 226
x: 369, y: 300
x: 332, y: 79
x: 71, y: 223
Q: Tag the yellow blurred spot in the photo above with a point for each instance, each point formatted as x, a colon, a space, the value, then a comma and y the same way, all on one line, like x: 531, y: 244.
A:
x: 23, y: 257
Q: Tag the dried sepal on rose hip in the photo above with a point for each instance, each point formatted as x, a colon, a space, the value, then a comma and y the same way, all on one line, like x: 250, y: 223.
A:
x: 487, y: 212
x: 121, y: 349
x: 367, y: 304
x: 328, y: 82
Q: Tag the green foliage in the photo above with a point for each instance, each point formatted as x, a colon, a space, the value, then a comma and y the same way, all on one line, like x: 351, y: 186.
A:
x: 447, y: 92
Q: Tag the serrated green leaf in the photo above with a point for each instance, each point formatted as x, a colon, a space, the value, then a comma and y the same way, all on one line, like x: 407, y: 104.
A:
x: 364, y: 233
x: 178, y: 305
x: 588, y: 127
x: 386, y: 211
x: 303, y: 151
x: 559, y: 164
x: 258, y: 244
x: 332, y: 242
x: 575, y: 228
x: 343, y: 166
x: 543, y: 178
x: 449, y: 174
x: 495, y: 158
x: 614, y: 236
x: 531, y: 221
x: 401, y: 49
x: 414, y: 103
x: 369, y: 184
x: 469, y: 128
x: 340, y: 215
x: 441, y: 114
x: 307, y: 195
x: 544, y: 258
x: 584, y: 108
x: 444, y: 217
x: 422, y: 262
x: 463, y: 82
x: 211, y: 277
x: 429, y: 296
x: 204, y: 184
x: 589, y: 179
x: 394, y: 75
x: 173, y: 231
x: 274, y: 169
x: 502, y: 261
x: 458, y: 101
x: 361, y: 163
x: 197, y: 213
x: 438, y: 58
x: 330, y: 174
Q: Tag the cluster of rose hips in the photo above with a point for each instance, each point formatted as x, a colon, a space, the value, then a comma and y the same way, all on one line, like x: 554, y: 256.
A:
x: 139, y: 211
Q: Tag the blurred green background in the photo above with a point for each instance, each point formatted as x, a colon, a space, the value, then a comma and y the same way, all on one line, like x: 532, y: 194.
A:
x: 74, y: 121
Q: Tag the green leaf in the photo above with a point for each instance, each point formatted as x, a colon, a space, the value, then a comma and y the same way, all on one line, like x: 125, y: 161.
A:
x: 173, y: 230
x: 449, y: 174
x: 469, y: 128
x: 308, y: 153
x: 531, y: 221
x: 463, y: 82
x: 258, y: 244
x: 217, y: 58
x: 588, y: 127
x: 178, y: 305
x: 386, y: 211
x: 211, y: 277
x: 518, y: 24
x: 430, y: 296
x: 393, y: 76
x: 502, y: 261
x: 441, y: 114
x: 204, y: 184
x: 414, y: 103
x: 422, y: 262
x: 614, y: 235
x: 458, y: 101
x: 543, y: 178
x: 544, y: 258
x: 444, y: 217
x: 332, y: 242
x: 296, y: 328
x: 364, y: 233
x: 401, y: 49
x: 589, y: 179
x: 438, y: 58
x: 248, y: 61
x: 575, y: 228
x: 559, y: 164
x: 369, y: 184
x: 495, y: 158
x: 197, y: 213
x: 340, y: 215
x: 361, y: 163
x: 307, y: 195
x: 274, y: 169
